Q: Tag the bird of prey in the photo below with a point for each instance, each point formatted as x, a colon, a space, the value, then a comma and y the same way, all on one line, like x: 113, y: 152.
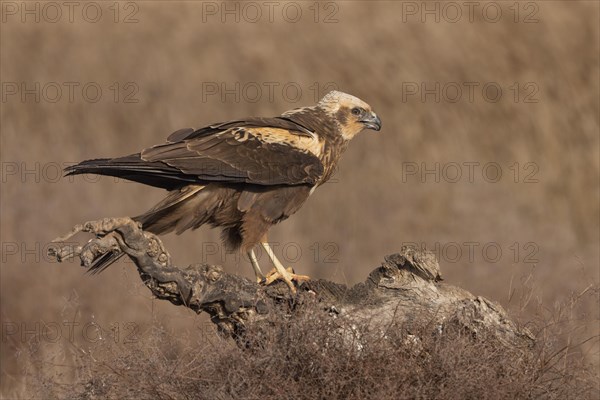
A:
x: 243, y: 176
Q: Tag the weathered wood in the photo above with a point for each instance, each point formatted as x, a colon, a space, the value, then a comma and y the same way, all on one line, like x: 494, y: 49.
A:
x: 405, y: 291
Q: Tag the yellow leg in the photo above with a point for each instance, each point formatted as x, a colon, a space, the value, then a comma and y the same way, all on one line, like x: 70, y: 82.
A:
x: 254, y: 261
x: 280, y: 271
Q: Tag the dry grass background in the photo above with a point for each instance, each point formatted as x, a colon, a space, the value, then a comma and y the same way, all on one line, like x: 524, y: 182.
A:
x: 369, y: 211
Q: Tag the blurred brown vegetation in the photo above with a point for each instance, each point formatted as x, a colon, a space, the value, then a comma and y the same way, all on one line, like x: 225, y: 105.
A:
x: 371, y: 208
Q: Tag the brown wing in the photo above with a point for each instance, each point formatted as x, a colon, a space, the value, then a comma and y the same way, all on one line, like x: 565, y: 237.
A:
x: 240, y: 152
x: 263, y: 151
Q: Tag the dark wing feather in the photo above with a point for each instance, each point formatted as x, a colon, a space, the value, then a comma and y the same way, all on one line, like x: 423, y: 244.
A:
x: 235, y: 155
x: 216, y: 154
x: 133, y: 168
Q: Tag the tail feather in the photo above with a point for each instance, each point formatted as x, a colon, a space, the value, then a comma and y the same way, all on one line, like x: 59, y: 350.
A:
x: 104, y: 262
x: 170, y: 214
x: 176, y: 212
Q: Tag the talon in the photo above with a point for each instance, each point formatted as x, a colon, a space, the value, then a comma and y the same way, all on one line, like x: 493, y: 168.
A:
x: 287, y: 275
x: 280, y: 272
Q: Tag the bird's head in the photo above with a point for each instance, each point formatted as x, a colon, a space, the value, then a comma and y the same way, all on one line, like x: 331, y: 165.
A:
x: 352, y: 114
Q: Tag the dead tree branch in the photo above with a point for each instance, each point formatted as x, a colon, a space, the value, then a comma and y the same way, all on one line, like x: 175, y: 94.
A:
x: 404, y: 290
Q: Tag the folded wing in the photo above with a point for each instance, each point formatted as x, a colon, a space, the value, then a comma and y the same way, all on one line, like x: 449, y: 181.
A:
x: 258, y: 151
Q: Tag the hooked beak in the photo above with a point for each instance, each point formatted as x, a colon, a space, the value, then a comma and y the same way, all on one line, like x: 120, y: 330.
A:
x: 372, y: 121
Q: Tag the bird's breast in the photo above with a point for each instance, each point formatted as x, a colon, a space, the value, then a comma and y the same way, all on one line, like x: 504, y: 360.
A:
x: 332, y: 151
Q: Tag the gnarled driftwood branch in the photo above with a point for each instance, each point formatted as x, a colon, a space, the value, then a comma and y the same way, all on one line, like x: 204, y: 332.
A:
x: 405, y: 290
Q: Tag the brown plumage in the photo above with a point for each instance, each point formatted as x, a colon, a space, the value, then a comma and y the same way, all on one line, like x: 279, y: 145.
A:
x: 242, y: 176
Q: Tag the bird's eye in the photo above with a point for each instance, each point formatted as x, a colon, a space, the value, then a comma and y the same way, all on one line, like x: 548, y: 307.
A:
x: 356, y: 111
